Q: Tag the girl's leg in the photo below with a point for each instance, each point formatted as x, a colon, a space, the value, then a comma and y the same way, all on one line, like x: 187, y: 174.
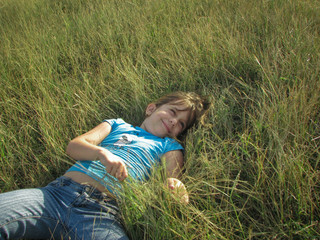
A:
x: 26, y: 214
x: 62, y: 210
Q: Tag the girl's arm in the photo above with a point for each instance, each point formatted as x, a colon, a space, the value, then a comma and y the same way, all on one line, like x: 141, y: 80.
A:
x: 85, y: 147
x: 174, y: 164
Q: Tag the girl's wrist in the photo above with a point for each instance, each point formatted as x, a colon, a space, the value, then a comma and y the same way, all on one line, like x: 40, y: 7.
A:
x: 101, y: 153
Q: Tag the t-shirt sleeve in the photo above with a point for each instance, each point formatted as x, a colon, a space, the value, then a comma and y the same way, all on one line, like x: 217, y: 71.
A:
x: 172, y: 145
x: 114, y: 122
x: 110, y: 121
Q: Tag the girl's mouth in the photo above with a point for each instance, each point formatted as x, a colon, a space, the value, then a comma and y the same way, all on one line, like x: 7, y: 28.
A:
x: 166, y: 126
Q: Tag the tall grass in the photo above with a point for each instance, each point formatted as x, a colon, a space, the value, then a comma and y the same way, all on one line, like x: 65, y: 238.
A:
x: 252, y: 171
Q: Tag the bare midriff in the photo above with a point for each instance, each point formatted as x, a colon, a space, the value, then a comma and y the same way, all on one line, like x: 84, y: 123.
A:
x: 84, y: 179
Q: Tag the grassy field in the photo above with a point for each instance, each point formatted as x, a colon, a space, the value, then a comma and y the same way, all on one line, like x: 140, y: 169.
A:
x: 252, y: 171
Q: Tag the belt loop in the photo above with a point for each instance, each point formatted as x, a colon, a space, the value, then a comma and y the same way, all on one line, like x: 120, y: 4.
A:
x: 61, y: 181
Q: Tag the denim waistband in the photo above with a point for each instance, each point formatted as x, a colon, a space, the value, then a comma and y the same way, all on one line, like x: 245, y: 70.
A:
x: 81, y: 188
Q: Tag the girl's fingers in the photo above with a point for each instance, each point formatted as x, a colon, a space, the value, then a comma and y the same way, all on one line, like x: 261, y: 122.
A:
x: 120, y: 173
x: 117, y: 169
x: 113, y: 171
x: 171, y: 183
x: 178, y: 189
x: 174, y: 183
x: 124, y: 173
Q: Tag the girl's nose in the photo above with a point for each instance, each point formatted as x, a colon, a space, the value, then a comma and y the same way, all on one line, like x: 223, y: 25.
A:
x: 173, y: 121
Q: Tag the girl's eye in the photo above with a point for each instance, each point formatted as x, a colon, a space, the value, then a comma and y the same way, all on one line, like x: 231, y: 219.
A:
x: 173, y: 111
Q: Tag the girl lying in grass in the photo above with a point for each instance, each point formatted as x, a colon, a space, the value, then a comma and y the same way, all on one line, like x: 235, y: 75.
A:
x: 82, y: 204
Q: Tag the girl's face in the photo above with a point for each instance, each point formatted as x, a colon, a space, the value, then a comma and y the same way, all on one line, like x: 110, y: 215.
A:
x: 166, y: 121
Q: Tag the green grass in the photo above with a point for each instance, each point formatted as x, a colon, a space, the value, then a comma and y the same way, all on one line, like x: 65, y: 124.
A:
x: 252, y: 171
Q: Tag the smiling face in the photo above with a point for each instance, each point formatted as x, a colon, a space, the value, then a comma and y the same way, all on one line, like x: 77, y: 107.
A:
x: 168, y: 120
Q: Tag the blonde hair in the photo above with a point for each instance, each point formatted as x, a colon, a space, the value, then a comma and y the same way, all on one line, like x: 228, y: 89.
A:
x: 196, y: 104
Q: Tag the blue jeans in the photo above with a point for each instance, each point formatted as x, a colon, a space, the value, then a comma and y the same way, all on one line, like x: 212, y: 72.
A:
x: 62, y: 210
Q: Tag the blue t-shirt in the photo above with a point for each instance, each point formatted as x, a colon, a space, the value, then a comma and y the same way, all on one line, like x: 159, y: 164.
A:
x: 140, y: 151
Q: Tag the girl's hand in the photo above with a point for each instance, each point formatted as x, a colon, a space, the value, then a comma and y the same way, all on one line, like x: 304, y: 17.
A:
x: 114, y: 164
x: 178, y: 188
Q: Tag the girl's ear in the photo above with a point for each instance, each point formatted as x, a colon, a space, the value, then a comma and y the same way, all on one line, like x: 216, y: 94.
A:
x: 150, y: 109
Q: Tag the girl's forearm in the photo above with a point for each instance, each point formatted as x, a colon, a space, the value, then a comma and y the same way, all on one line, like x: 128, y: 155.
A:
x: 85, y: 146
x: 79, y: 150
